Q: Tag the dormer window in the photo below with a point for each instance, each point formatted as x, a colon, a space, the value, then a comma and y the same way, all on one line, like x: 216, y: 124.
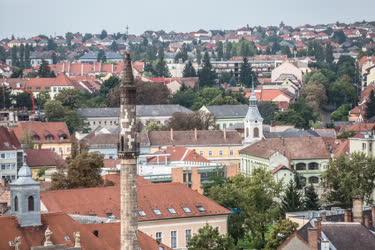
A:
x: 36, y: 138
x: 201, y: 209
x: 50, y: 137
x: 187, y: 210
x: 63, y: 137
x: 172, y: 210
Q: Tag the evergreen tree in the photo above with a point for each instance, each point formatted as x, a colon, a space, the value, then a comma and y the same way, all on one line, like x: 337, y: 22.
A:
x: 45, y: 70
x: 246, y: 73
x: 189, y: 70
x: 329, y: 54
x: 103, y: 34
x: 14, y: 56
x: 3, y: 54
x: 161, y: 68
x: 199, y: 56
x: 220, y: 51
x: 370, y: 106
x: 114, y: 46
x: 311, y: 200
x: 207, y: 75
x: 22, y: 56
x: 51, y: 45
x: 292, y: 201
x: 228, y: 50
x: 5, y: 98
x: 101, y: 57
x: 27, y: 56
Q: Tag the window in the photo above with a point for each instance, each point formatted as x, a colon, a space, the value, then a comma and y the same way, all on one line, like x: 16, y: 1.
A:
x: 187, y: 235
x: 314, y: 179
x: 50, y: 138
x: 231, y: 152
x: 16, y: 203
x: 158, y: 237
x: 109, y: 215
x: 256, y: 132
x: 157, y: 211
x: 30, y: 203
x: 313, y: 166
x: 221, y: 152
x: 173, y: 239
x: 2, y: 156
x: 201, y: 152
x: 363, y: 146
x: 301, y: 166
x: 201, y: 209
x: 187, y: 210
x: 210, y: 153
x: 172, y: 210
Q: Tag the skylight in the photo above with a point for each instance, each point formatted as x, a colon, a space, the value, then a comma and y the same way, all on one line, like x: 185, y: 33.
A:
x: 142, y: 213
x: 201, y: 209
x: 187, y: 210
x: 172, y: 210
x: 157, y: 211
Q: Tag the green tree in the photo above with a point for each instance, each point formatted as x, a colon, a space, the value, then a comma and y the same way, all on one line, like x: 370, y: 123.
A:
x: 315, y: 95
x: 22, y: 56
x: 51, y: 45
x: 42, y: 98
x: 108, y: 85
x: 54, y: 110
x: 268, y: 111
x: 185, y: 97
x: 27, y: 56
x: 103, y: 34
x: 5, y: 97
x: 347, y: 177
x: 346, y: 65
x: 370, y: 106
x: 329, y: 54
x: 341, y: 114
x: 207, y: 75
x: 14, y: 56
x: 86, y: 37
x: 199, y: 56
x: 22, y: 100
x: 339, y: 36
x: 254, y: 202
x: 343, y: 91
x: 220, y: 51
x: 246, y: 73
x: 189, y: 70
x: 228, y: 50
x: 74, y: 121
x: 279, y: 232
x: 151, y: 93
x: 189, y: 121
x: 3, y: 54
x: 69, y: 98
x: 69, y: 37
x: 45, y: 70
x: 114, y: 46
x: 311, y: 198
x: 161, y: 68
x: 292, y: 200
x: 101, y: 57
x: 209, y: 238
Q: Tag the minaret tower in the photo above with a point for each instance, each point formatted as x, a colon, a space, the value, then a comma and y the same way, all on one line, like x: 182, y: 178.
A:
x: 127, y: 153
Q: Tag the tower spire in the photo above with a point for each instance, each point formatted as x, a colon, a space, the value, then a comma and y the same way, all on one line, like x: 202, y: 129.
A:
x: 127, y: 153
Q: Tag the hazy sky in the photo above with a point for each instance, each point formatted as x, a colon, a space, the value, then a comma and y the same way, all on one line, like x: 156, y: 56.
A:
x: 32, y: 17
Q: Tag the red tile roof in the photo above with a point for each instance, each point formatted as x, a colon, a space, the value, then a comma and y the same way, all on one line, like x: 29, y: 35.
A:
x: 42, y: 130
x: 8, y: 140
x: 103, y: 200
x: 110, y: 234
x: 178, y: 154
x: 43, y: 158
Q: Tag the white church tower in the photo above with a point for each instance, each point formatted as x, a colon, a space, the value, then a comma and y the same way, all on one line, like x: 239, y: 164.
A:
x: 253, y: 123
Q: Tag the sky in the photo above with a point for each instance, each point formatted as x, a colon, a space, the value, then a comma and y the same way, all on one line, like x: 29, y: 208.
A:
x: 25, y: 18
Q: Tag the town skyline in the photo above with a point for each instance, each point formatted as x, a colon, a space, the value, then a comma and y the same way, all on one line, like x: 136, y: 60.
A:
x: 52, y: 20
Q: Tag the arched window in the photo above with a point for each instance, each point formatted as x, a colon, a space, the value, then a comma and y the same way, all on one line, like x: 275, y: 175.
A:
x: 247, y: 132
x: 302, y: 181
x: 256, y: 132
x: 30, y: 203
x: 314, y: 179
x: 16, y: 203
x: 313, y: 166
x: 122, y: 144
x: 50, y: 137
x: 36, y: 138
x: 301, y: 166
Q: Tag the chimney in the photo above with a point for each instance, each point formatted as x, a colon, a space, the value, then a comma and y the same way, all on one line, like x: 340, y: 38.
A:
x: 196, y: 134
x: 358, y: 209
x: 225, y: 134
x: 171, y: 134
x: 348, y: 216
x: 313, y: 235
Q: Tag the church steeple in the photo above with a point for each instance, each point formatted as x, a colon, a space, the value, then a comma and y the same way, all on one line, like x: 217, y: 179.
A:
x: 253, y: 123
x: 25, y: 195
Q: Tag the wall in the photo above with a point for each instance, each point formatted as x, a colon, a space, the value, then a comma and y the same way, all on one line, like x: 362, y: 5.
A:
x: 62, y: 149
x: 180, y: 225
x: 362, y: 145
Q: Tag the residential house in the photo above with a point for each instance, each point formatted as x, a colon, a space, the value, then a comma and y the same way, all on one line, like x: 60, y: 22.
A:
x: 296, y: 68
x: 308, y: 156
x: 216, y: 146
x: 11, y: 155
x: 363, y: 142
x: 168, y: 212
x: 54, y: 136
x: 108, y: 117
x: 40, y: 160
x: 92, y: 57
x: 36, y: 58
x: 227, y: 115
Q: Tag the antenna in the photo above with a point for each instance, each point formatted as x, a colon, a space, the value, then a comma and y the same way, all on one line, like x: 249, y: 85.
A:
x: 127, y: 30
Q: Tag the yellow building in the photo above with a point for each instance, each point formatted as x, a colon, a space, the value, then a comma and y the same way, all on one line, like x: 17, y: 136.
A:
x: 214, y: 145
x: 40, y: 160
x: 45, y: 135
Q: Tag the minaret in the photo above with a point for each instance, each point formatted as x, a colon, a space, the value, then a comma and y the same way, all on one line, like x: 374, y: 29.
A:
x: 127, y: 153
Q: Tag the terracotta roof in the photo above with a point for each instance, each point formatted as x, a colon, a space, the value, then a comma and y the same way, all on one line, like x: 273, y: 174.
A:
x: 341, y: 147
x: 359, y: 127
x: 178, y: 154
x: 279, y: 168
x: 42, y: 130
x: 110, y: 234
x: 43, y: 83
x: 103, y: 200
x: 62, y: 226
x: 8, y: 140
x: 291, y: 147
x: 43, y: 158
x: 204, y: 137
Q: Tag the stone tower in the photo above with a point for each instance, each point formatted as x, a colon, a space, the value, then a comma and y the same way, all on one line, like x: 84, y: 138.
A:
x: 25, y: 197
x: 128, y: 151
x: 253, y: 123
